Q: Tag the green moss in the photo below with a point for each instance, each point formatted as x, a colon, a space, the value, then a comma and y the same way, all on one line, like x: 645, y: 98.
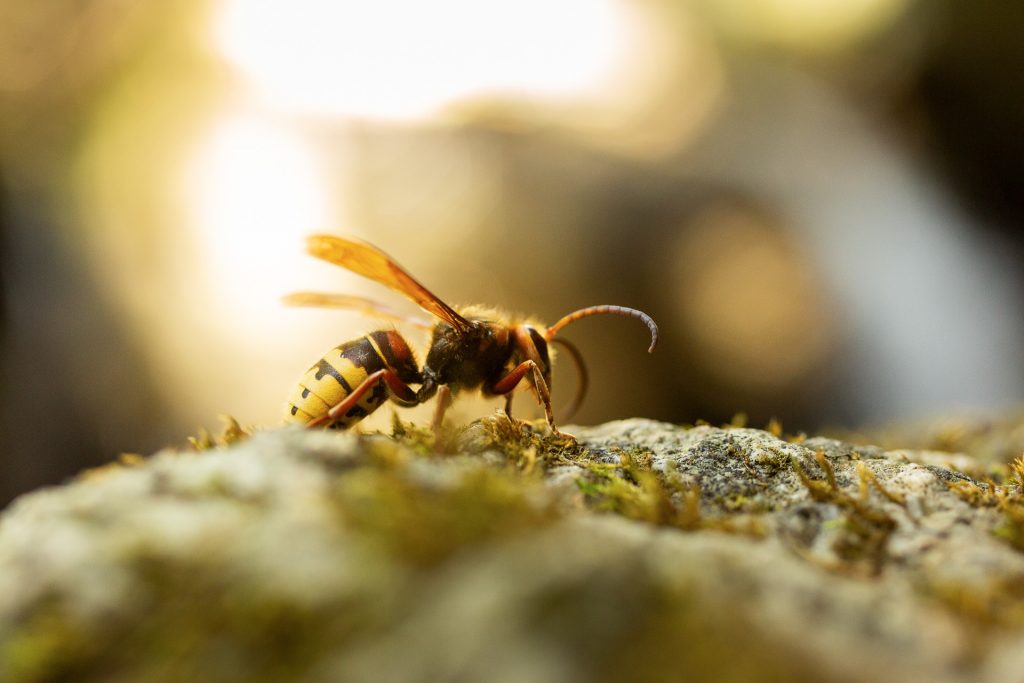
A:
x: 124, y: 460
x: 525, y: 445
x: 419, y: 438
x: 743, y: 503
x: 634, y: 490
x: 1008, y: 499
x: 231, y: 433
x: 422, y: 521
x: 639, y: 495
x: 865, y: 529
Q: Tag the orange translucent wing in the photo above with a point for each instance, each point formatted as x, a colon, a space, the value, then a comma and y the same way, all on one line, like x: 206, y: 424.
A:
x: 356, y: 303
x: 371, y: 262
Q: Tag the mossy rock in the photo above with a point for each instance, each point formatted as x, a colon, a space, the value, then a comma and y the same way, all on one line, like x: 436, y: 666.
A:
x: 644, y: 551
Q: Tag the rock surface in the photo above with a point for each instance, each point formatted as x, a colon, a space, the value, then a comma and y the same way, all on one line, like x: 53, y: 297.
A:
x: 646, y: 552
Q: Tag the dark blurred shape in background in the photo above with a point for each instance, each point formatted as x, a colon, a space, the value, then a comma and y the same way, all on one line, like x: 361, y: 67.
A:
x: 974, y: 110
x: 820, y: 202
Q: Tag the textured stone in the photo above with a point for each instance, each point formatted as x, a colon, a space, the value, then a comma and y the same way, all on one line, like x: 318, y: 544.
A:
x: 647, y: 552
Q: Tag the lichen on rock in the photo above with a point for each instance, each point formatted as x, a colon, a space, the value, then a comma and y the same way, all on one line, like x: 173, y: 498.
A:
x: 643, y: 551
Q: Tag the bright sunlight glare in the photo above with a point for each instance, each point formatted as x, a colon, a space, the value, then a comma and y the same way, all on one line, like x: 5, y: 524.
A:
x: 400, y: 60
x: 256, y: 190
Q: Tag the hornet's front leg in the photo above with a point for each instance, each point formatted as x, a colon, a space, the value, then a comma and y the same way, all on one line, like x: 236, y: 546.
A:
x: 505, y: 385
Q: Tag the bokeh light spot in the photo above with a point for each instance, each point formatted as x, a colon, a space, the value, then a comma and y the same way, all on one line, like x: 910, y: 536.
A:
x: 404, y: 60
x: 256, y: 189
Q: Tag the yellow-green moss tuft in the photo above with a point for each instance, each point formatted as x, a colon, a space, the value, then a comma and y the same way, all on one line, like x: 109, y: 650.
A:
x: 231, y: 433
x: 865, y: 529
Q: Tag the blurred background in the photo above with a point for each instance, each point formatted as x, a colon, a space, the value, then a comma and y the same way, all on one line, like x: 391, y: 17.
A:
x: 820, y: 201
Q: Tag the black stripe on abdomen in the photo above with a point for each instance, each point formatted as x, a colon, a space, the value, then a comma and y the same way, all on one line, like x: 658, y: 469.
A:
x: 324, y: 368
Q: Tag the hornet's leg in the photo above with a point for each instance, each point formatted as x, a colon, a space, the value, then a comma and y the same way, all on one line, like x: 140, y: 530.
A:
x: 506, y: 384
x: 444, y: 401
x: 399, y: 389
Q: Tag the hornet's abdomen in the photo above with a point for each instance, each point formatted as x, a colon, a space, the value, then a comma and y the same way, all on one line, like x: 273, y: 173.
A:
x: 335, y: 376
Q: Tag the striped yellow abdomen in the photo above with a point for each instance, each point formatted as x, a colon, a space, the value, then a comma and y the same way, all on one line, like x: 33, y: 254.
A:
x: 335, y: 376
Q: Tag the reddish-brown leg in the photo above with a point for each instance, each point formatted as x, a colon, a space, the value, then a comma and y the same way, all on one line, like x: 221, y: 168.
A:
x: 398, y: 389
x: 508, y: 406
x: 506, y: 384
x: 444, y: 401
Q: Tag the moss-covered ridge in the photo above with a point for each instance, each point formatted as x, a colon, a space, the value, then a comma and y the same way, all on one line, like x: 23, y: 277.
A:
x: 642, y: 551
